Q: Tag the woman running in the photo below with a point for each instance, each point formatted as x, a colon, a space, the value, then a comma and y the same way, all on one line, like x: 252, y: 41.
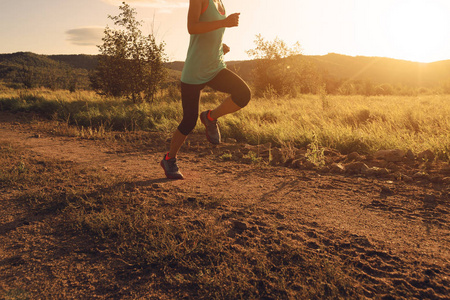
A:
x: 205, y: 66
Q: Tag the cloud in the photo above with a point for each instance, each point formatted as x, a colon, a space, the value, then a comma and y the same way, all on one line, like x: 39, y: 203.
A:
x: 164, y: 4
x: 85, y: 36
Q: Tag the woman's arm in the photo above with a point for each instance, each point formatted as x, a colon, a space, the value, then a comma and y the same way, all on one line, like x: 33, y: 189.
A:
x: 197, y: 27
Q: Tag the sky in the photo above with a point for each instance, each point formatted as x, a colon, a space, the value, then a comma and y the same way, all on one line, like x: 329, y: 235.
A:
x: 415, y: 30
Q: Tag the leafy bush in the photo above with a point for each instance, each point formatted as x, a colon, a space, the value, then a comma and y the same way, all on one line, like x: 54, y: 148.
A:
x: 130, y: 64
x: 279, y: 71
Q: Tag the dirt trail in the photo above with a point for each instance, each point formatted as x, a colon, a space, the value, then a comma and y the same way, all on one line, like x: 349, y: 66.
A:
x: 395, y: 239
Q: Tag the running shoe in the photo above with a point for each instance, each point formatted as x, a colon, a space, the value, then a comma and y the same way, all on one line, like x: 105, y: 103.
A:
x: 170, y: 168
x: 212, y: 128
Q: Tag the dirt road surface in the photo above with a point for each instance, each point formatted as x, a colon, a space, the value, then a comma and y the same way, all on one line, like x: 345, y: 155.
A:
x: 395, y: 235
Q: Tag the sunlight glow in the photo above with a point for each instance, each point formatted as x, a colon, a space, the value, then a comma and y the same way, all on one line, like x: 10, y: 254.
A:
x: 416, y: 29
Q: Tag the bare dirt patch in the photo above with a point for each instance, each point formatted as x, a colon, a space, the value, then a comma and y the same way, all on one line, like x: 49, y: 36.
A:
x: 372, y: 236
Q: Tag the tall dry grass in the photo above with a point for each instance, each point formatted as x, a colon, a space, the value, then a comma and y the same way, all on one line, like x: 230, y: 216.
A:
x: 346, y: 123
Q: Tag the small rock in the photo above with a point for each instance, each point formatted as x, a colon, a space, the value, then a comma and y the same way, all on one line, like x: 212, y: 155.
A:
x: 353, y: 156
x: 446, y: 180
x: 324, y: 169
x: 337, y: 168
x: 393, y: 166
x: 382, y: 164
x: 356, y: 167
x: 241, y: 226
x: 308, y: 165
x: 426, y: 155
x: 105, y: 168
x: 231, y: 141
x: 406, y: 178
x: 375, y: 171
x: 299, y: 153
x: 297, y: 163
x: 313, y: 245
x: 390, y: 155
x: 155, y: 186
x: 279, y: 216
x: 385, y: 190
x: 330, y: 152
x: 410, y: 155
x: 421, y: 175
x: 191, y: 199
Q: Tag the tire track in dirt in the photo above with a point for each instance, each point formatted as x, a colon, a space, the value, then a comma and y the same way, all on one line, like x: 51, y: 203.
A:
x: 393, y: 244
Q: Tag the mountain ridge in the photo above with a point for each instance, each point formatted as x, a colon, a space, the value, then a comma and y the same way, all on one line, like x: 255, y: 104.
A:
x: 378, y: 70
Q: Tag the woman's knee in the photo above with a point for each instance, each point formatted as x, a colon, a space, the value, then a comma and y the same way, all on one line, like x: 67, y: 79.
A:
x: 188, y: 124
x: 243, y: 97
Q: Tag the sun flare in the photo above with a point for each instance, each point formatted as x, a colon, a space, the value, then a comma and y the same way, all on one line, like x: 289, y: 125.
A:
x: 416, y: 29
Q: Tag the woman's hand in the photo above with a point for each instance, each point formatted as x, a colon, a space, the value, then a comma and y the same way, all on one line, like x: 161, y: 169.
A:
x: 225, y: 48
x: 232, y: 20
x: 197, y: 27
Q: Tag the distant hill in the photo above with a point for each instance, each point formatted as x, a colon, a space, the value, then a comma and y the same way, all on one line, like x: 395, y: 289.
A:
x: 78, y: 61
x: 66, y: 70
x: 26, y: 58
x: 376, y: 69
x: 29, y: 69
x: 383, y: 70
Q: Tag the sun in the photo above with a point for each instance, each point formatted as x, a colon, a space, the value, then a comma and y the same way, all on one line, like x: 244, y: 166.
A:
x: 417, y: 29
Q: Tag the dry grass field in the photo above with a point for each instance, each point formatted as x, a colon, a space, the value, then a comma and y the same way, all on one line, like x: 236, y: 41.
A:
x: 344, y: 123
x: 297, y: 203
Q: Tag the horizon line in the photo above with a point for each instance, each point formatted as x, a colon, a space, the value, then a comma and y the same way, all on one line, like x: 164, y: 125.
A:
x: 243, y: 60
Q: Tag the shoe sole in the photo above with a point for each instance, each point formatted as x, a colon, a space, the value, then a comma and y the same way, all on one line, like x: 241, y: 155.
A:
x: 206, y: 131
x: 180, y: 176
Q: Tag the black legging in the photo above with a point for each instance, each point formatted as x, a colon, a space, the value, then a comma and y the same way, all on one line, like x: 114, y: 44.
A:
x: 225, y: 81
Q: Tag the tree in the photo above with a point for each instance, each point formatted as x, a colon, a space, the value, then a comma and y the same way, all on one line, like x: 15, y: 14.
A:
x: 130, y: 64
x: 281, y: 70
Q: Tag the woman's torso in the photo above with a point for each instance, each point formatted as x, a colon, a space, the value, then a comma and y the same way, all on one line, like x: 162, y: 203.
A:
x: 205, y: 54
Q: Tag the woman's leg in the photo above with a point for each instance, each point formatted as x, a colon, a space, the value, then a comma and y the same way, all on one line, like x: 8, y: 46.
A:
x: 226, y: 107
x: 175, y: 144
x: 190, y: 98
x: 228, y: 82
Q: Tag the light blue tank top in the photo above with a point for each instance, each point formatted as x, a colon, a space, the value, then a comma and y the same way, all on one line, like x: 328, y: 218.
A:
x: 204, y: 59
